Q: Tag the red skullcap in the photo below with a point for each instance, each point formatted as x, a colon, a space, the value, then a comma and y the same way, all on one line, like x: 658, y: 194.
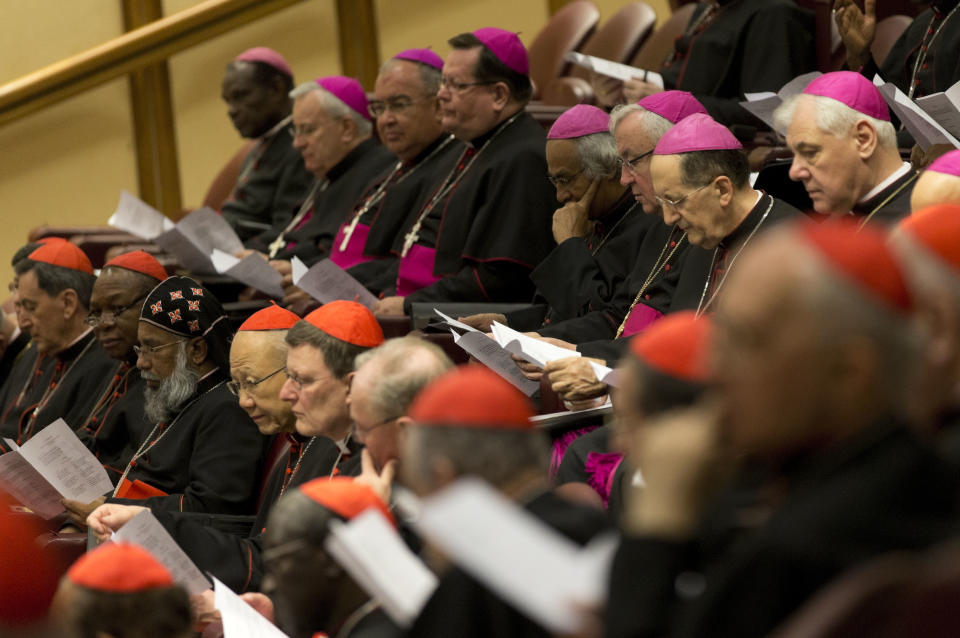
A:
x: 697, y: 132
x: 348, y: 91
x: 119, y: 568
x: 28, y: 578
x: 267, y: 56
x: 273, y: 317
x: 141, y: 262
x: 863, y: 258
x: 672, y: 105
x: 49, y: 240
x: 345, y: 497
x: 472, y: 396
x: 676, y: 345
x: 347, y: 321
x: 63, y: 254
x: 853, y: 90
x: 937, y: 229
x: 506, y: 47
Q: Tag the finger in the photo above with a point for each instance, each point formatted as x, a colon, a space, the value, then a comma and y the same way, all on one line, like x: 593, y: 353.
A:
x: 389, y: 471
x: 870, y: 8
x: 588, y: 196
x: 366, y: 462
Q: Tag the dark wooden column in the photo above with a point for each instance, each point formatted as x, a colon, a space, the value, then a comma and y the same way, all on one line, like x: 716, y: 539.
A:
x: 359, y: 44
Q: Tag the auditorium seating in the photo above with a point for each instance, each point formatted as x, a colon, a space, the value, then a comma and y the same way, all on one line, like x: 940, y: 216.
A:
x: 566, y: 31
x: 889, y: 31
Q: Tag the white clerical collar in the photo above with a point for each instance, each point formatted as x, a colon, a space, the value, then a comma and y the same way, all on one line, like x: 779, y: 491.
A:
x: 75, y: 341
x: 894, y: 176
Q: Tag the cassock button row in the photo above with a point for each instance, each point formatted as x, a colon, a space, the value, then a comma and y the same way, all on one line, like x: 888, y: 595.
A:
x: 925, y: 66
x: 666, y: 267
x: 647, y: 296
x: 672, y: 244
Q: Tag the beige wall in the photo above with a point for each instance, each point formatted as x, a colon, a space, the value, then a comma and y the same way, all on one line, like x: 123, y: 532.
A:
x: 68, y: 163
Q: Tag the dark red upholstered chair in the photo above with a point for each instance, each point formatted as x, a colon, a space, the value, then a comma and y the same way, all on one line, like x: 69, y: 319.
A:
x: 660, y: 43
x: 889, y: 31
x: 566, y: 31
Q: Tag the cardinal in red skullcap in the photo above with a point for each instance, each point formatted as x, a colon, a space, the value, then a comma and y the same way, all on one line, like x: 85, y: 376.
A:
x: 803, y: 464
x: 120, y: 589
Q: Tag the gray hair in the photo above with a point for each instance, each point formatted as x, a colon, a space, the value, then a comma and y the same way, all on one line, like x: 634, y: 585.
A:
x: 834, y: 117
x: 653, y: 124
x: 598, y: 155
x: 334, y: 106
x: 429, y: 76
x: 406, y: 366
x: 495, y: 455
x: 55, y: 279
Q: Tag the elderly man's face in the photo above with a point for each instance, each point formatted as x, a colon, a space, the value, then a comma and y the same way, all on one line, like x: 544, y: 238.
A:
x: 697, y: 211
x: 316, y: 396
x: 256, y: 368
x: 321, y: 139
x: 468, y: 109
x: 253, y: 108
x: 41, y: 315
x: 379, y: 433
x: 566, y: 173
x: 635, y: 148
x: 116, y: 301
x: 158, y: 353
x: 411, y: 119
x: 828, y: 166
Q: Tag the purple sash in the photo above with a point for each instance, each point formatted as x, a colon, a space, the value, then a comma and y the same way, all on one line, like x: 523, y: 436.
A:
x: 639, y: 319
x: 353, y: 255
x: 416, y: 270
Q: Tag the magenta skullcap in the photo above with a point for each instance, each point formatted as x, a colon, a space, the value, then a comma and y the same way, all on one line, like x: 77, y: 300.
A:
x: 948, y: 164
x: 697, y: 132
x: 851, y: 89
x: 423, y: 56
x: 578, y: 121
x: 506, y: 46
x: 267, y: 56
x: 672, y: 105
x: 348, y: 91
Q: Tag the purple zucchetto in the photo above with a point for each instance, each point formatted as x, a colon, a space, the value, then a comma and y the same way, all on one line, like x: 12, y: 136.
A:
x: 267, y: 56
x: 697, y: 132
x: 507, y: 48
x: 348, y: 91
x: 851, y: 89
x: 578, y: 121
x: 423, y: 56
x: 672, y: 105
x: 948, y: 164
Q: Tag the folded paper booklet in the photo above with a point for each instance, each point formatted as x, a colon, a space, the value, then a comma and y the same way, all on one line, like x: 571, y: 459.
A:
x: 944, y: 107
x: 146, y: 531
x: 252, y: 270
x: 325, y: 281
x: 925, y: 130
x: 51, y: 466
x: 240, y: 620
x: 537, y: 352
x: 527, y: 563
x: 613, y: 69
x: 762, y: 105
x: 375, y: 556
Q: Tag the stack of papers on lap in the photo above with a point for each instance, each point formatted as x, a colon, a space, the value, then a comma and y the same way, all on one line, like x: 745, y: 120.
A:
x: 375, y: 556
x: 613, y: 69
x: 239, y: 619
x: 924, y: 129
x: 325, y: 281
x: 51, y: 466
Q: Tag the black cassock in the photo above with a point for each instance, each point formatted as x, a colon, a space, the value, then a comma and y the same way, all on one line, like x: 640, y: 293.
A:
x: 891, y: 204
x: 25, y: 365
x: 117, y: 423
x: 880, y: 491
x: 493, y: 228
x: 747, y: 46
x: 207, y: 459
x: 461, y: 606
x: 69, y: 384
x: 270, y: 187
x: 236, y: 560
x: 346, y: 183
x: 11, y: 354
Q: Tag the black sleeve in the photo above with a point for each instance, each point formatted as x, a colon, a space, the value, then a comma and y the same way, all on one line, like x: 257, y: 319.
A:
x: 500, y: 281
x: 595, y: 325
x: 572, y: 279
x: 610, y: 350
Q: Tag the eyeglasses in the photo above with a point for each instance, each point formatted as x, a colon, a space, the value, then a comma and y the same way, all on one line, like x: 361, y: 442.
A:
x: 304, y: 130
x: 676, y: 204
x: 398, y: 104
x: 631, y: 164
x: 149, y: 351
x: 94, y: 319
x: 299, y: 382
x: 459, y: 87
x: 365, y: 431
x: 562, y: 181
x: 236, y: 387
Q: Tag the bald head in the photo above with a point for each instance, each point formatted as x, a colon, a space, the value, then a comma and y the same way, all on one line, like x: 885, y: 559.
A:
x: 935, y: 188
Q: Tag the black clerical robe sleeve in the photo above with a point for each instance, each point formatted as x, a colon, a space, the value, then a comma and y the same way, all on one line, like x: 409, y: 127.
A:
x: 293, y: 184
x: 595, y: 325
x: 493, y: 281
x: 610, y: 350
x: 572, y: 279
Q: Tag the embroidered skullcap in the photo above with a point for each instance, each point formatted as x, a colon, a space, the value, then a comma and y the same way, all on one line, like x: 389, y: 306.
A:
x: 472, y: 396
x: 141, y: 262
x: 948, y: 164
x: 345, y: 497
x: 676, y: 345
x: 119, y: 568
x: 267, y: 56
x: 273, y: 317
x: 937, y: 230
x: 578, y: 121
x: 63, y: 254
x: 347, y: 321
x: 697, y: 132
x: 506, y: 47
x: 423, y: 56
x: 672, y: 105
x: 348, y: 91
x: 852, y: 89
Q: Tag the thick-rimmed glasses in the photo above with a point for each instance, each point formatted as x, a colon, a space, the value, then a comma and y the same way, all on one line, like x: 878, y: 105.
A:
x: 630, y: 165
x: 675, y: 204
x: 236, y: 387
x: 94, y: 319
x: 149, y: 351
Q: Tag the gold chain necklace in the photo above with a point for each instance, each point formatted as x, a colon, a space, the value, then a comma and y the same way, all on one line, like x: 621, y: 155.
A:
x: 657, y: 267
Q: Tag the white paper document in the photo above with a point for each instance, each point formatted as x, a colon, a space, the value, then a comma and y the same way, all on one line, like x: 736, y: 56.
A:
x: 325, y: 281
x: 944, y: 107
x: 54, y: 464
x: 253, y: 270
x: 240, y: 620
x: 450, y: 321
x: 136, y: 217
x: 925, y: 130
x: 605, y: 374
x: 146, y: 531
x: 613, y: 69
x: 763, y: 104
x: 527, y: 563
x: 375, y: 556
x: 537, y: 352
x: 491, y: 354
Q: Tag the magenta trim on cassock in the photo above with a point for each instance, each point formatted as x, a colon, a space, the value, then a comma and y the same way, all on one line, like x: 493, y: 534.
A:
x: 416, y: 270
x: 639, y: 319
x: 600, y: 469
x: 353, y: 254
x: 560, y: 445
